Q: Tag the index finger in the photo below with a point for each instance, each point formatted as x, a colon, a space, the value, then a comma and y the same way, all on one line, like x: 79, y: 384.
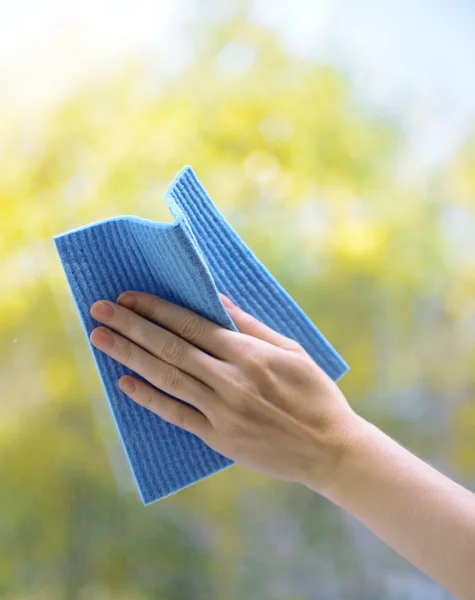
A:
x: 183, y: 322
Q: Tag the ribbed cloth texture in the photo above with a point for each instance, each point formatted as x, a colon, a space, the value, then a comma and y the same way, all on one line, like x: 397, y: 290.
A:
x: 185, y: 262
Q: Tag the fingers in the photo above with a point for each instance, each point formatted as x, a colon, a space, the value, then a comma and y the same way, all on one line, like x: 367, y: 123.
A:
x: 189, y: 326
x: 249, y: 325
x: 166, y: 377
x: 170, y: 410
x: 159, y: 342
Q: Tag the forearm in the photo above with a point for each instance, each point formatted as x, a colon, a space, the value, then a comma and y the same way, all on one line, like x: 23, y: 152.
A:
x: 420, y: 513
x: 261, y: 400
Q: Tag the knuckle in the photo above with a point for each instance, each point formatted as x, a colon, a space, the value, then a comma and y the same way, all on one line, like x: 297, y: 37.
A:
x: 172, y: 378
x: 235, y: 432
x: 251, y: 323
x: 125, y: 325
x: 246, y: 391
x: 179, y: 415
x: 129, y: 353
x: 247, y: 349
x: 148, y: 335
x: 225, y: 376
x: 294, y: 346
x: 256, y: 361
x: 191, y: 328
x: 148, y: 399
x: 152, y: 310
x: 173, y: 351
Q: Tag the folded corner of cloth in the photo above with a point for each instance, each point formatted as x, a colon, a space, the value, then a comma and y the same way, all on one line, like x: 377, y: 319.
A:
x: 185, y: 262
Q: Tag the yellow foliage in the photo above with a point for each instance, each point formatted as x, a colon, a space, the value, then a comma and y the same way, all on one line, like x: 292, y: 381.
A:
x: 360, y: 242
x: 58, y: 376
x: 305, y: 173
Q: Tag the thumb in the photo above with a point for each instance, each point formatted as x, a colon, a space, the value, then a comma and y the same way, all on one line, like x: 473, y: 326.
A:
x: 249, y: 325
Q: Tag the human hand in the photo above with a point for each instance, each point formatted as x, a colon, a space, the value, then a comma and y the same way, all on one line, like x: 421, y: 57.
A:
x: 260, y: 398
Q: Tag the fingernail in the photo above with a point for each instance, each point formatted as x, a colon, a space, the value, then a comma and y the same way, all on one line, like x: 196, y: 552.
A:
x: 104, y: 338
x: 127, y: 386
x: 127, y: 299
x: 102, y: 309
x: 226, y: 301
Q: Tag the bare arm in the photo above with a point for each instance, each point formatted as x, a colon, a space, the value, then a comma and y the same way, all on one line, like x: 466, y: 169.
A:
x: 426, y: 517
x: 262, y: 401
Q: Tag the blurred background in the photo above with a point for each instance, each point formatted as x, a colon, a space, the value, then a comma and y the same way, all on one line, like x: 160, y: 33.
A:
x: 338, y: 138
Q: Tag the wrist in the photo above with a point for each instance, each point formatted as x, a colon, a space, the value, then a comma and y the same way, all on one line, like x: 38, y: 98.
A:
x: 343, y: 447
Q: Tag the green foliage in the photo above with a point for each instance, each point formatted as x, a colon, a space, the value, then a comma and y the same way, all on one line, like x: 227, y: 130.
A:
x: 306, y: 174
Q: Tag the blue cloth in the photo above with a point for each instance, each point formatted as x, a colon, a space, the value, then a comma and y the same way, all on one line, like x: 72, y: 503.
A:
x: 185, y: 262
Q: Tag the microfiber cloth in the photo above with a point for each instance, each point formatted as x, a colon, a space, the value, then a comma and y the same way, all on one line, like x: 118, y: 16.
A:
x: 185, y: 262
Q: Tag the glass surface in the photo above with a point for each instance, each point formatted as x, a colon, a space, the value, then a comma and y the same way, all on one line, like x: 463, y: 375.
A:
x: 338, y: 138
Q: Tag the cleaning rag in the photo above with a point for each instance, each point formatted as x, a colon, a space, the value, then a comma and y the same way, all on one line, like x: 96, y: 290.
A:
x: 185, y: 262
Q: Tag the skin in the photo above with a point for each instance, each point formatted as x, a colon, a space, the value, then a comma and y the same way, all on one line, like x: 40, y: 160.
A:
x: 263, y: 402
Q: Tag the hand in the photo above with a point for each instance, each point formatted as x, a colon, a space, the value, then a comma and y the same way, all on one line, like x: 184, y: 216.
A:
x: 259, y: 397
